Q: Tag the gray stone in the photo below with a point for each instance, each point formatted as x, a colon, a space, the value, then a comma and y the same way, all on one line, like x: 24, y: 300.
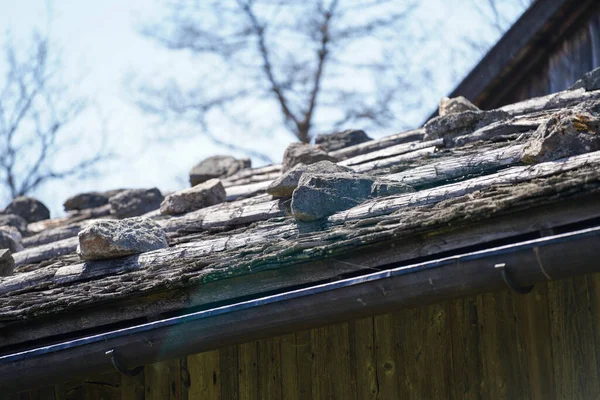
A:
x: 118, y: 238
x: 202, y: 195
x: 383, y: 188
x: 318, y: 196
x: 284, y: 185
x: 451, y: 126
x: 340, y: 140
x: 297, y: 153
x: 217, y: 167
x: 566, y: 133
x: 30, y: 209
x: 456, y: 105
x: 15, y: 221
x: 7, y: 263
x: 10, y: 238
x: 84, y: 201
x: 135, y: 202
x: 589, y: 81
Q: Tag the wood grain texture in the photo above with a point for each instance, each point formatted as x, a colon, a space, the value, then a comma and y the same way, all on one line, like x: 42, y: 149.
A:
x: 248, y: 371
x: 163, y: 380
x: 573, y: 332
x: 361, y: 333
x: 204, y: 375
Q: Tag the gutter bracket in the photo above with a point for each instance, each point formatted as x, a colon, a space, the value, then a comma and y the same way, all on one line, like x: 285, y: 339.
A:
x: 515, y: 287
x: 120, y: 367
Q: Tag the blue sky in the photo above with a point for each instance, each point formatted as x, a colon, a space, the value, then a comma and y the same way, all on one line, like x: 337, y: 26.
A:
x: 99, y: 47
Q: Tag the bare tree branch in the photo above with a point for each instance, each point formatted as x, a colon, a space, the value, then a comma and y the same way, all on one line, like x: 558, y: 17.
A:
x: 34, y: 110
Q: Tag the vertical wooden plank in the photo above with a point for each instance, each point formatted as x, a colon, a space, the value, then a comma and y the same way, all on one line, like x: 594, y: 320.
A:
x: 248, y: 371
x: 304, y: 362
x: 362, y: 339
x: 289, y: 371
x: 230, y: 389
x: 269, y: 368
x: 205, y: 375
x: 505, y: 374
x: 106, y: 386
x: 534, y: 315
x: 387, y: 356
x: 163, y: 380
x: 423, y: 342
x: 132, y: 387
x: 332, y: 374
x: 574, y: 353
x: 594, y: 294
x: 465, y: 356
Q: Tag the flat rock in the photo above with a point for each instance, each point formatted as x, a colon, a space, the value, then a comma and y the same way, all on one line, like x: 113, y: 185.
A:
x: 297, y: 153
x: 589, y: 81
x: 85, y: 201
x: 217, y: 167
x: 339, y: 140
x: 566, y: 133
x: 320, y: 195
x: 10, y: 238
x: 118, y: 238
x: 30, y: 209
x: 284, y: 185
x: 456, y: 105
x: 135, y: 202
x: 7, y: 263
x: 14, y: 221
x: 450, y: 126
x: 202, y: 195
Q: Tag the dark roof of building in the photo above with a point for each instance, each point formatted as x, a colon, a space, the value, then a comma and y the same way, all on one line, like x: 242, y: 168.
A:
x: 523, y: 49
x: 476, y: 184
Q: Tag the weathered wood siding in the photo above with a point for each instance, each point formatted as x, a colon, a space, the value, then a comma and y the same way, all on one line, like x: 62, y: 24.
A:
x: 576, y: 54
x: 544, y: 345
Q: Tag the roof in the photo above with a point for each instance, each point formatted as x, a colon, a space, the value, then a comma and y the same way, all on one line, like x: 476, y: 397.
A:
x: 522, y: 49
x: 472, y: 188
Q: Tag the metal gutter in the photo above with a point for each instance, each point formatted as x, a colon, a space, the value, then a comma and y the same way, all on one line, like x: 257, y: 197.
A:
x: 529, y: 262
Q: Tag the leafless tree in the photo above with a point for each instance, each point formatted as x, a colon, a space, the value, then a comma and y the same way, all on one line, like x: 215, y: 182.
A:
x: 35, y: 110
x: 292, y: 59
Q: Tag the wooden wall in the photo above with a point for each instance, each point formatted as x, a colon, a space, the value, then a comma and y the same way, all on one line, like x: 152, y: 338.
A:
x: 544, y: 345
x: 577, y: 54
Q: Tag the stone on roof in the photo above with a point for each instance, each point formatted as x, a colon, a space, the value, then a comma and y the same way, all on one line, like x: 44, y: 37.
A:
x: 217, y: 167
x: 85, y: 201
x: 135, y: 202
x: 111, y: 239
x: 297, y: 153
x: 455, y: 105
x: 284, y: 185
x: 30, y: 209
x: 340, y: 140
x: 202, y: 195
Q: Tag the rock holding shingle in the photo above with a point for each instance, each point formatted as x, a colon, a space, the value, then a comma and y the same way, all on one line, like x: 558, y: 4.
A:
x: 135, y: 202
x: 7, y: 263
x: 116, y: 238
x: 30, y: 209
x: 340, y: 140
x: 589, y: 81
x: 566, y: 133
x: 297, y: 153
x: 217, y: 167
x: 318, y: 196
x: 202, y: 195
x: 14, y: 221
x: 451, y: 126
x: 456, y: 105
x: 10, y: 238
x: 85, y: 201
x: 284, y: 185
x: 383, y: 188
